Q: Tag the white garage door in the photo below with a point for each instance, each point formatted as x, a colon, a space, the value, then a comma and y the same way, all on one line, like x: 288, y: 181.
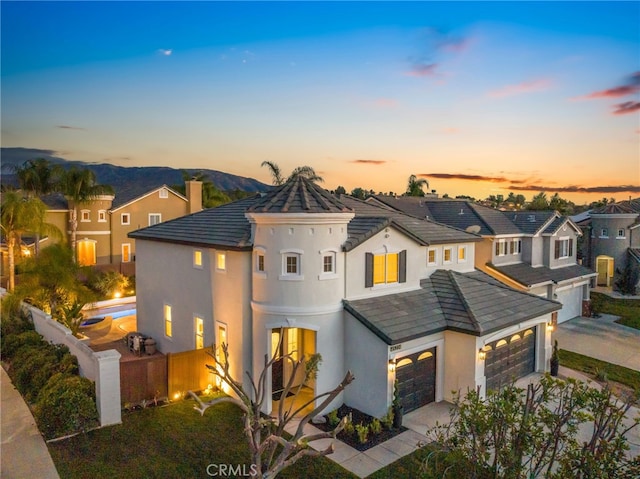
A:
x: 571, y: 300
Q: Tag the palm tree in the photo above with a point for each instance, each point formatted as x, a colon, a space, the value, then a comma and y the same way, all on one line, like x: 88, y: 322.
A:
x: 37, y: 177
x: 305, y: 171
x: 21, y: 216
x: 415, y: 185
x: 79, y: 186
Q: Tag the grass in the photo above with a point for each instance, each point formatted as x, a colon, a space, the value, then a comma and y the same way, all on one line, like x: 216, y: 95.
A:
x: 586, y: 364
x: 172, y: 441
x: 627, y: 309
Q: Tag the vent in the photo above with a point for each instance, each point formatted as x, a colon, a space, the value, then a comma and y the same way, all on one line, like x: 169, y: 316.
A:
x: 532, y: 218
x: 461, y: 211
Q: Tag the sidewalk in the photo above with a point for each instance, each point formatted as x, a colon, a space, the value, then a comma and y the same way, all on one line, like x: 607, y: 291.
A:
x: 24, y: 452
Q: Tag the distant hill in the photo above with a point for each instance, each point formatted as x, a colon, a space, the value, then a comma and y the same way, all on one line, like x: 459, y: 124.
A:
x: 121, y: 177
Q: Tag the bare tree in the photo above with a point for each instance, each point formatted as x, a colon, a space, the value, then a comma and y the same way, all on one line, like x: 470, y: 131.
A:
x: 271, y: 451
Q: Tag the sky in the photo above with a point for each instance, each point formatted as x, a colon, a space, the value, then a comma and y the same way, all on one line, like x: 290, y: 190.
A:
x: 479, y: 98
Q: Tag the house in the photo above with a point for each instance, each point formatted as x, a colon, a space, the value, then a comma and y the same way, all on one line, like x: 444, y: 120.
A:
x: 534, y: 251
x: 612, y: 239
x: 104, y: 222
x: 375, y: 291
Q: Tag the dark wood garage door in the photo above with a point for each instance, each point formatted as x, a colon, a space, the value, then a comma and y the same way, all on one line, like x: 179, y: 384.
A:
x: 510, y: 358
x: 416, y: 375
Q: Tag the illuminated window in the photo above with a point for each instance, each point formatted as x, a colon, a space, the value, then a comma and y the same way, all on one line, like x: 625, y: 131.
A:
x: 126, y: 252
x: 431, y: 257
x: 197, y: 258
x: 102, y: 216
x: 385, y: 268
x: 167, y: 321
x: 85, y: 216
x: 86, y: 250
x: 446, y: 255
x: 462, y: 254
x: 292, y: 343
x: 199, y: 327
x: 221, y: 261
x: 125, y: 219
x: 221, y: 338
x: 155, y: 218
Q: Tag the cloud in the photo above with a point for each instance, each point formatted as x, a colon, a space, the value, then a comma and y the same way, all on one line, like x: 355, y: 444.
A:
x: 67, y: 127
x: 458, y: 176
x: 369, y: 162
x: 631, y: 86
x: 422, y: 70
x: 626, y: 107
x: 531, y: 86
x: 579, y: 189
x: 435, y: 44
x: 166, y: 52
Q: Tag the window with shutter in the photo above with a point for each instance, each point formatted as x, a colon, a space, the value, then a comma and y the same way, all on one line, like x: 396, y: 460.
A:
x: 385, y: 268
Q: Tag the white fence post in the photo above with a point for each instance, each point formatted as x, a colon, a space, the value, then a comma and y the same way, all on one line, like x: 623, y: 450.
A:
x: 108, y: 386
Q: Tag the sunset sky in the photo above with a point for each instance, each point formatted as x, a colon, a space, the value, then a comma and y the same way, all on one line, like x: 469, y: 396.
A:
x: 480, y: 98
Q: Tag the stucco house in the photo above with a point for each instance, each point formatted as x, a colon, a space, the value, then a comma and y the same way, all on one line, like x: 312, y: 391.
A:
x: 535, y: 251
x: 612, y: 239
x: 378, y: 292
x: 104, y: 222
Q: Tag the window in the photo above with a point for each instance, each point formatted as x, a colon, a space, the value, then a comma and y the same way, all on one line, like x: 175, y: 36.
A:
x: 431, y: 257
x: 126, y: 252
x: 385, y: 268
x: 102, y: 216
x: 260, y: 262
x: 86, y: 250
x: 515, y: 247
x: 221, y: 261
x: 199, y: 330
x: 125, y: 219
x: 328, y: 263
x: 292, y: 343
x: 197, y: 258
x: 501, y: 248
x: 291, y: 264
x: 163, y: 193
x: 446, y: 255
x: 620, y: 233
x: 221, y: 338
x: 85, y: 216
x: 167, y: 321
x: 604, y: 233
x: 462, y: 254
x: 154, y: 218
x: 563, y: 248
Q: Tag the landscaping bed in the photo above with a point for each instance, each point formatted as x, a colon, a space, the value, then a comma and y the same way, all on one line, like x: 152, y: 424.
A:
x: 350, y: 436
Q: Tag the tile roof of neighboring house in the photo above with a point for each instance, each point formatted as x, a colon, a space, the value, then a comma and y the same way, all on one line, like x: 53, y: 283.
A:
x: 472, y: 303
x: 621, y: 207
x: 299, y: 195
x: 635, y: 253
x: 424, y: 231
x: 530, y: 222
x: 225, y: 226
x: 555, y: 225
x: 412, y: 205
x: 529, y: 276
x: 133, y: 192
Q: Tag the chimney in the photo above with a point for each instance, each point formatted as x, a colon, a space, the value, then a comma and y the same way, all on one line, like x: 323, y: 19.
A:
x: 194, y: 195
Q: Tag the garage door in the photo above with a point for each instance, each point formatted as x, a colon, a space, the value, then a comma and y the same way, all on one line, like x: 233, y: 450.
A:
x: 571, y: 300
x: 510, y: 358
x: 416, y: 375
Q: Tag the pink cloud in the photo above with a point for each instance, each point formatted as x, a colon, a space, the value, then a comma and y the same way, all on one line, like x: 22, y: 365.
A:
x: 531, y: 86
x: 423, y: 70
x: 631, y: 86
x: 626, y: 107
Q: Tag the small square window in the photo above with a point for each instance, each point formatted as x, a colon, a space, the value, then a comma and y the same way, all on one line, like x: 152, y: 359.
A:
x: 431, y: 257
x: 462, y: 253
x: 327, y: 263
x: 221, y: 261
x: 620, y: 233
x: 291, y: 264
x: 125, y: 218
x: 85, y: 216
x: 102, y: 216
x: 155, y: 218
x: 604, y: 233
x: 447, y: 255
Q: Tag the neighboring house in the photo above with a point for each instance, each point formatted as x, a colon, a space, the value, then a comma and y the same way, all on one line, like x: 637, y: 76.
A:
x: 612, y: 239
x: 530, y: 250
x: 378, y: 292
x: 104, y: 222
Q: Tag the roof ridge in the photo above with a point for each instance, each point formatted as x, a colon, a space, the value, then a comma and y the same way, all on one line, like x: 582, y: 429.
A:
x: 466, y: 305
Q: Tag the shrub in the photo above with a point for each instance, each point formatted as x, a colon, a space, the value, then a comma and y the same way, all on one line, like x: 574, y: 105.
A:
x: 363, y: 432
x: 376, y: 427
x: 348, y: 427
x: 387, y: 419
x: 333, y: 418
x: 66, y: 405
x: 13, y: 343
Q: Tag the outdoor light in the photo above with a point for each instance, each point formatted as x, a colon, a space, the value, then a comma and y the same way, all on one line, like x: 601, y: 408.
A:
x: 550, y: 327
x: 117, y: 294
x: 392, y: 365
x: 482, y: 355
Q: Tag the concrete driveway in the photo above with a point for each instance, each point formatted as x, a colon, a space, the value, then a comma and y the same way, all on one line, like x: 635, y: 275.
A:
x: 601, y: 338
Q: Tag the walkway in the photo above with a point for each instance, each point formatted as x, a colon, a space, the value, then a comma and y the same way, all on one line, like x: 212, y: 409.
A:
x: 601, y: 338
x: 24, y: 452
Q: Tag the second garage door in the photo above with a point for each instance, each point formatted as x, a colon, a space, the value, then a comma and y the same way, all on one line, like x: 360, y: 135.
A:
x: 571, y: 304
x: 416, y: 376
x: 510, y: 358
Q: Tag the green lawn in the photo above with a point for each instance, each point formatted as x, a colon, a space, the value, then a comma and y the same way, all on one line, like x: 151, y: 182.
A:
x: 620, y: 374
x: 173, y: 441
x: 627, y: 309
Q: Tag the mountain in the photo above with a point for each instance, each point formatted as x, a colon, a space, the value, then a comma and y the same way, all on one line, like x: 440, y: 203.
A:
x: 120, y: 177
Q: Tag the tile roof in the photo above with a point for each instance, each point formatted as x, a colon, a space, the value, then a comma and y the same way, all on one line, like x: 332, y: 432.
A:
x: 126, y: 194
x: 529, y: 276
x: 225, y: 226
x: 635, y: 253
x: 55, y: 201
x: 299, y: 195
x: 621, y: 207
x: 472, y: 303
x: 555, y: 225
x: 411, y: 205
x: 530, y: 222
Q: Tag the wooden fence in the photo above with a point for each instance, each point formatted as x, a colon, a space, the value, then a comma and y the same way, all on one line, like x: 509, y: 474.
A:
x: 144, y: 378
x: 188, y: 371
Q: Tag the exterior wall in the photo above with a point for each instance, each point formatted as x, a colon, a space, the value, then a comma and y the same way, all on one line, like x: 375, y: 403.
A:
x: 171, y: 207
x: 536, y: 247
x: 483, y: 253
x: 93, y: 229
x: 612, y: 245
x: 507, y: 258
x: 367, y: 358
x: 461, y: 371
x: 549, y: 248
x: 425, y: 269
x: 59, y: 219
